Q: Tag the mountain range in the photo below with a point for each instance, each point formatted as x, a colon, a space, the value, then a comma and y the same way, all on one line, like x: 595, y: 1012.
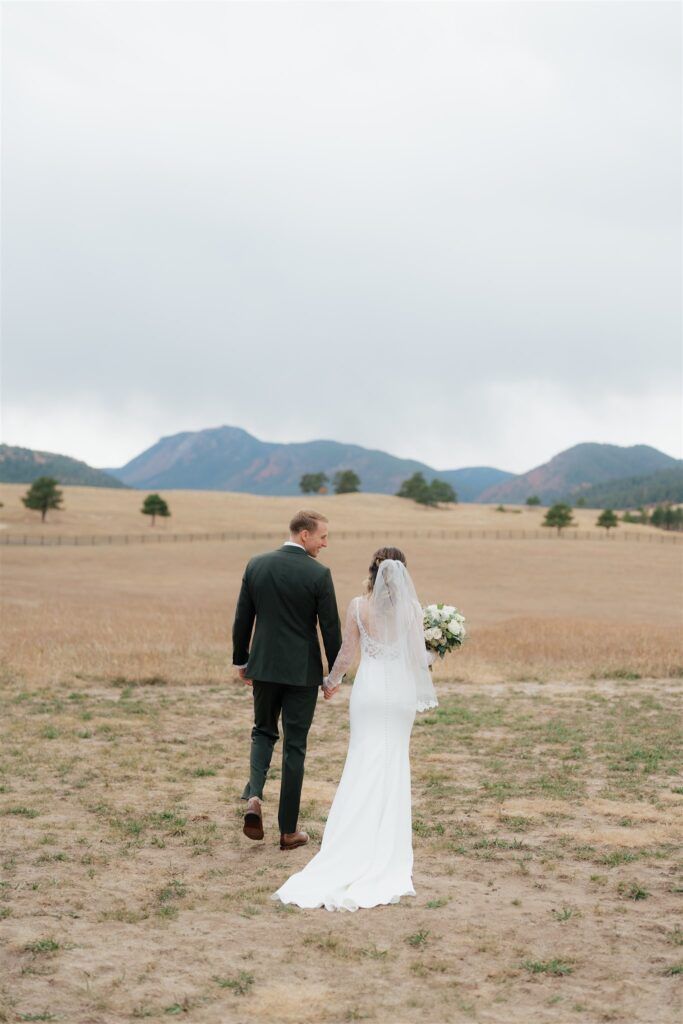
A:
x: 230, y: 459
x: 572, y: 472
x: 24, y: 465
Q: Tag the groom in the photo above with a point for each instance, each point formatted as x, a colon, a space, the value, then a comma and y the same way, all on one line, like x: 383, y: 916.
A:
x: 288, y: 593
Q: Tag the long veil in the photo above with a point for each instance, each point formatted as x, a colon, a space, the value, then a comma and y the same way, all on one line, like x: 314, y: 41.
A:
x: 395, y: 620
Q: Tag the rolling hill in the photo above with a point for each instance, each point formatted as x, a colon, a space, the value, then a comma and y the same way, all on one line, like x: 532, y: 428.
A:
x: 666, y: 485
x: 24, y: 465
x: 574, y: 470
x: 229, y: 459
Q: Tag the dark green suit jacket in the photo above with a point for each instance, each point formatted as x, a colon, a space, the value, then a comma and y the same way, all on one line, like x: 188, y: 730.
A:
x: 288, y: 593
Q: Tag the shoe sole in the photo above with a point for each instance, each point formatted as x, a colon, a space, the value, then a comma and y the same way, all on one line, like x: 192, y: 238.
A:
x: 253, y: 826
x: 293, y: 846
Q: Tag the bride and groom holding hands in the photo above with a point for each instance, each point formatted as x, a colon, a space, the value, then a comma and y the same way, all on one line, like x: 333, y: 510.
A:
x: 366, y: 855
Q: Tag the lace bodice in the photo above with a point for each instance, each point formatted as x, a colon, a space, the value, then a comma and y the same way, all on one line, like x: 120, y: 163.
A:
x: 370, y: 646
x: 357, y: 640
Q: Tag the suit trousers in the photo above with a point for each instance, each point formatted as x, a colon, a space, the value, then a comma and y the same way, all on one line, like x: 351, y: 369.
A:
x: 296, y: 704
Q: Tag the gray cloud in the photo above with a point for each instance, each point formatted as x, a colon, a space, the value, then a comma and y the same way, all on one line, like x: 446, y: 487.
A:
x: 449, y: 230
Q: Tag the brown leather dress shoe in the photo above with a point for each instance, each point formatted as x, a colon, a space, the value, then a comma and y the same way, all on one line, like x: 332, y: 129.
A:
x: 290, y: 840
x: 253, y: 821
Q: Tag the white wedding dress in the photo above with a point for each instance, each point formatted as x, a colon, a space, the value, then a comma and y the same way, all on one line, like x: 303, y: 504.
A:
x: 366, y: 855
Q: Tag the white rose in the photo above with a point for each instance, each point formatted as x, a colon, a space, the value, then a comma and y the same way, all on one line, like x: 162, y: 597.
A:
x: 455, y: 628
x: 436, y: 633
x: 448, y: 611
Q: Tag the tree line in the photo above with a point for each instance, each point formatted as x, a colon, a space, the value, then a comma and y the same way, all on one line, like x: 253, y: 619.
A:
x: 665, y: 517
x: 347, y: 481
x: 44, y: 494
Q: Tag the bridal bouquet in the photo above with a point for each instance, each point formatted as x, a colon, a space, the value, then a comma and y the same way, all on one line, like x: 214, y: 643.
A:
x: 444, y: 628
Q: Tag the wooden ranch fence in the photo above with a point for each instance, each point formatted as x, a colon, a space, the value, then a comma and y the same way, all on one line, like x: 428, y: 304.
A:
x: 66, y: 540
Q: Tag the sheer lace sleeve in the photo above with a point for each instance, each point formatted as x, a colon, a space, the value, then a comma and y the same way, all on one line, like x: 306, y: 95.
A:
x: 348, y: 652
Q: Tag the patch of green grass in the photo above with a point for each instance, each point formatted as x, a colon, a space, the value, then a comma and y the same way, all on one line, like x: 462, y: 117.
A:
x: 374, y: 953
x: 24, y: 812
x: 556, y: 730
x: 201, y: 838
x: 45, y: 1015
x: 173, y: 823
x: 632, y: 891
x: 676, y: 936
x: 42, y: 946
x: 419, y: 939
x: 202, y: 773
x: 556, y: 966
x: 420, y: 828
x: 435, y: 904
x: 673, y: 969
x: 241, y: 985
x: 129, y: 826
x: 50, y: 732
x: 499, y: 844
x: 176, y: 1008
x: 516, y: 823
x: 499, y: 788
x: 617, y: 857
x: 173, y: 891
x: 283, y: 908
x: 564, y: 914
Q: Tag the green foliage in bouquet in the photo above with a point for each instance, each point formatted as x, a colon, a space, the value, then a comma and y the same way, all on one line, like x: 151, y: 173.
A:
x: 444, y: 628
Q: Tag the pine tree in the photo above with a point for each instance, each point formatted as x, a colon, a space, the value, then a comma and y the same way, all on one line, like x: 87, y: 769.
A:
x: 42, y: 495
x: 559, y: 515
x: 607, y: 519
x: 154, y: 506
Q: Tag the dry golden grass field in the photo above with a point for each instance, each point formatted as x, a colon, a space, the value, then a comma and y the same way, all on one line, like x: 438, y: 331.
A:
x: 547, y: 786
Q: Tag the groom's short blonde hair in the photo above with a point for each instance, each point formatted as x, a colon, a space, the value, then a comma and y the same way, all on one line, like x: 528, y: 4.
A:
x: 306, y: 520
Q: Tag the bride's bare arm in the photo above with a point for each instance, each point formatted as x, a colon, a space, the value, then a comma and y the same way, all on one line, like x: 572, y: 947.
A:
x: 348, y: 653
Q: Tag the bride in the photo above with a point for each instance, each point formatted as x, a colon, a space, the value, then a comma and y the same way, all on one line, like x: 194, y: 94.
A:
x: 366, y: 855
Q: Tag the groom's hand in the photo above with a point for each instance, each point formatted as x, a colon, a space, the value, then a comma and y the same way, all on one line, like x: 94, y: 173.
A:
x: 329, y: 691
x: 243, y: 677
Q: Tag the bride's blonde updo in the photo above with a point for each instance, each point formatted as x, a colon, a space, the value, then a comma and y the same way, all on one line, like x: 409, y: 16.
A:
x: 380, y: 556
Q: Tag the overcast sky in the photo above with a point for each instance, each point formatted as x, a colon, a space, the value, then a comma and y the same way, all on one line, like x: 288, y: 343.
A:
x: 448, y: 230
